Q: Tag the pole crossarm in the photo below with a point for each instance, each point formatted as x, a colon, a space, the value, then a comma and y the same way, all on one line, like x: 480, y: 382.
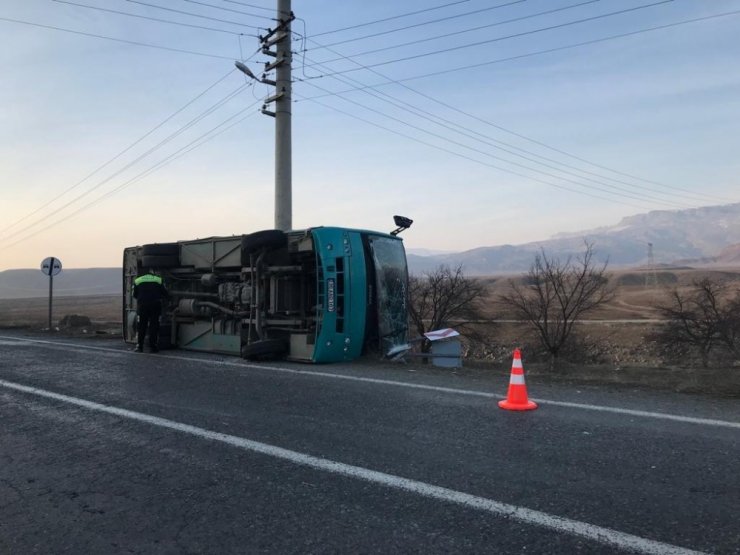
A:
x: 280, y: 38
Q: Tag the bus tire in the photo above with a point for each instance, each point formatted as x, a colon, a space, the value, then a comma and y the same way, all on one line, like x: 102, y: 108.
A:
x: 160, y: 249
x: 264, y: 349
x: 165, y: 336
x: 267, y: 239
x: 160, y: 261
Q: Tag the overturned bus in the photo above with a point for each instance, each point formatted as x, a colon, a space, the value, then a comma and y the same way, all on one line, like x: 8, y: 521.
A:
x: 324, y: 294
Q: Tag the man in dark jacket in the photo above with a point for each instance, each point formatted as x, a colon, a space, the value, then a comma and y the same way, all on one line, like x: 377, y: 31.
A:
x: 148, y: 292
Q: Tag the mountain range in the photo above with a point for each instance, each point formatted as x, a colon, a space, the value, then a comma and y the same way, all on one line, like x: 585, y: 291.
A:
x: 708, y: 236
x: 20, y: 284
x: 696, y: 235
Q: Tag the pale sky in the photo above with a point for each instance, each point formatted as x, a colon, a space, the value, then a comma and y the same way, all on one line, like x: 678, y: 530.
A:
x: 662, y: 106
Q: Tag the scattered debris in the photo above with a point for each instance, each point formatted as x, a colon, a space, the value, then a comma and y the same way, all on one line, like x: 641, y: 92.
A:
x: 74, y: 321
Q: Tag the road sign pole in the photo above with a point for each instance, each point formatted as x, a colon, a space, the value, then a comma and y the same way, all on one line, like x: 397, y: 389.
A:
x: 50, y: 267
x: 51, y: 288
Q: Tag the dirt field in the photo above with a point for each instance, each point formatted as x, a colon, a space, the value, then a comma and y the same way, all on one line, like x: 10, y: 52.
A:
x: 105, y: 311
x: 614, y: 345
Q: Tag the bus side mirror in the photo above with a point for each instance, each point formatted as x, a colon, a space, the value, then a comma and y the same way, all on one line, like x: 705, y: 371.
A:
x: 401, y: 223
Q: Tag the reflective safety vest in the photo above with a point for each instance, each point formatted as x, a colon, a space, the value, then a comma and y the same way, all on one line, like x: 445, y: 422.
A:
x: 148, y: 278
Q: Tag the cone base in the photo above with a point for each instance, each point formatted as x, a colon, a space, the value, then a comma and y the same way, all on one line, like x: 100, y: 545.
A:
x: 527, y: 405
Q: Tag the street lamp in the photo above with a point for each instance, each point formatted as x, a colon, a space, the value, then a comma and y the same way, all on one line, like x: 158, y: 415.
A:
x: 244, y: 69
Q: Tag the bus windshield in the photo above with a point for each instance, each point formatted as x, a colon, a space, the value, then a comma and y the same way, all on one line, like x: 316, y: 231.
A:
x: 391, y: 278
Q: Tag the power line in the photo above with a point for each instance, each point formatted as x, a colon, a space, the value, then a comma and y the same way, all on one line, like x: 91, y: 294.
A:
x: 470, y: 30
x: 486, y: 139
x: 124, y: 151
x: 443, y: 149
x: 536, y: 53
x: 440, y: 20
x: 228, y: 9
x: 250, y: 5
x: 168, y: 21
x: 164, y: 141
x: 515, y: 35
x: 204, y: 138
x: 199, y: 141
x: 670, y: 188
x: 624, y: 194
x: 467, y: 132
x: 407, y: 14
x: 528, y: 54
x: 193, y: 14
x: 135, y: 43
x: 85, y: 206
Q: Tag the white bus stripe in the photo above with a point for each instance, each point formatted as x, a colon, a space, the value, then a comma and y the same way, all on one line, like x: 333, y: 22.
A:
x: 395, y: 383
x: 605, y: 536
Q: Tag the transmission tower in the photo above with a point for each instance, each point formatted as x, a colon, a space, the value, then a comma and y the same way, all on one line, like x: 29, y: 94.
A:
x: 651, y: 277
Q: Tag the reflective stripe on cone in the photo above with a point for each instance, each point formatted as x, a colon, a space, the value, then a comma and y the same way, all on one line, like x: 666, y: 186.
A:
x: 516, y: 398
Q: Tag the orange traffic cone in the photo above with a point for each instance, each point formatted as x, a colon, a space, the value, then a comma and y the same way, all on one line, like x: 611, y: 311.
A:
x: 517, y: 399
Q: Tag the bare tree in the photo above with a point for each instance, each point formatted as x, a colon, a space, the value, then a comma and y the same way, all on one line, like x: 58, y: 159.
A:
x: 556, y: 294
x: 444, y: 297
x: 701, y: 319
x: 730, y: 329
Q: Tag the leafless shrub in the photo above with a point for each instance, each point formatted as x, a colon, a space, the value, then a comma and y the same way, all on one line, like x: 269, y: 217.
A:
x: 699, y: 320
x: 445, y: 297
x: 555, y: 294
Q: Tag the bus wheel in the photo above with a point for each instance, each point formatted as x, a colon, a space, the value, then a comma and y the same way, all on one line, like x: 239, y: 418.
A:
x: 264, y: 349
x: 267, y: 239
x: 160, y: 261
x: 160, y: 249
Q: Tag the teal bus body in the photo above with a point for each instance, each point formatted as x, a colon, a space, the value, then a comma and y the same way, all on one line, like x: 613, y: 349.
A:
x: 325, y: 294
x: 342, y: 294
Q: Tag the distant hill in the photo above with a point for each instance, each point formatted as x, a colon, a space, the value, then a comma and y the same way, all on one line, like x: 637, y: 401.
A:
x: 729, y: 256
x: 18, y: 284
x: 426, y: 252
x: 708, y: 236
x: 678, y: 235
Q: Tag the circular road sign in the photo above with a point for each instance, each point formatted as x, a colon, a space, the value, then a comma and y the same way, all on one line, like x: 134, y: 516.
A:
x: 51, y: 266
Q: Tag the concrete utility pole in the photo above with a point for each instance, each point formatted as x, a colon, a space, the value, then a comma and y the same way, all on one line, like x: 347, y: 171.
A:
x: 283, y: 140
x: 280, y: 38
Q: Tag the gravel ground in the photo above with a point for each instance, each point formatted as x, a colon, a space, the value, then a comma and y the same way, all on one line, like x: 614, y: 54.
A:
x: 614, y: 353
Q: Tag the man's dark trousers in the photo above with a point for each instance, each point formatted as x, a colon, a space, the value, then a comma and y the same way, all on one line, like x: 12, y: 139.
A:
x: 149, y: 318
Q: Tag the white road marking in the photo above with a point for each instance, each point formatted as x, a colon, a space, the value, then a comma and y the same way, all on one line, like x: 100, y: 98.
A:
x: 599, y: 534
x: 395, y: 383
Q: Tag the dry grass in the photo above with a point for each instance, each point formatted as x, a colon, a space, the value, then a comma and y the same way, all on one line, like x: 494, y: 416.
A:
x: 103, y: 310
x: 634, y: 300
x: 614, y: 346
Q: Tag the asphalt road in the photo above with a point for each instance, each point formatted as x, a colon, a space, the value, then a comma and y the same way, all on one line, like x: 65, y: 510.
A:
x: 107, y: 451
